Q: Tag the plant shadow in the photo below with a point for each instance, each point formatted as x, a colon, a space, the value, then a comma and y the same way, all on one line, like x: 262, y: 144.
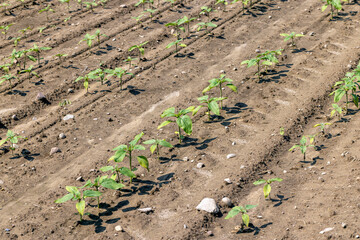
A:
x: 134, y: 90
x: 253, y: 229
x: 280, y: 199
x: 187, y: 141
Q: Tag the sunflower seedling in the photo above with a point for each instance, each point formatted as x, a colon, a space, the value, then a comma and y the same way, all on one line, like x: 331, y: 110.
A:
x: 75, y: 195
x: 336, y: 110
x: 16, y: 41
x: 38, y: 50
x: 88, y: 39
x: 98, y: 73
x: 218, y: 82
x: 123, y: 151
x: 98, y: 35
x: 90, y: 5
x: 243, y: 211
x: 7, y: 77
x: 140, y: 49
x: 322, y: 126
x: 187, y: 21
x: 291, y: 36
x: 105, y: 182
x: 67, y: 2
x: 182, y: 120
x: 151, y: 12
x: 119, y: 73
x: 60, y: 56
x: 267, y: 187
x: 155, y: 145
x: 5, y: 29
x: 129, y: 59
x: 47, y: 10
x: 210, y: 104
x: 12, y: 138
x: 334, y: 4
x: 206, y: 25
x: 138, y: 19
x: 142, y: 3
x: 304, y: 145
x: 206, y: 11
x: 86, y: 79
x: 222, y: 2
x: 176, y: 44
x: 30, y: 72
x: 64, y: 103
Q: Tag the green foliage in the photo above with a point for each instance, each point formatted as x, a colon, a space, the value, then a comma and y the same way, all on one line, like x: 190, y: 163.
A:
x: 176, y: 44
x: 222, y: 2
x: 206, y: 11
x: 155, y: 145
x: 210, y: 104
x: 346, y: 85
x: 30, y: 72
x: 187, y: 21
x: 141, y: 2
x: 23, y: 31
x: 336, y: 110
x: 105, y: 182
x: 129, y: 59
x: 47, y: 9
x: 178, y: 28
x: 151, y: 12
x: 267, y: 58
x: 243, y: 211
x: 140, y: 49
x: 98, y: 35
x: 88, y: 39
x: 12, y: 138
x: 334, y: 4
x: 90, y: 5
x: 75, y: 195
x: 291, y: 36
x: 7, y: 77
x: 206, y: 25
x: 86, y: 79
x: 38, y: 50
x: 322, y: 126
x: 218, y: 82
x: 41, y: 29
x: 182, y: 120
x: 64, y: 102
x: 16, y: 41
x: 60, y: 56
x: 267, y: 187
x: 138, y: 18
x: 304, y: 144
x: 5, y: 29
x: 282, y: 131
x: 123, y: 151
x: 119, y: 73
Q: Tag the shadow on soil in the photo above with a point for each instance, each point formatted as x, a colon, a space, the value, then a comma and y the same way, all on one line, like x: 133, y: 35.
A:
x: 253, y: 229
x: 187, y: 141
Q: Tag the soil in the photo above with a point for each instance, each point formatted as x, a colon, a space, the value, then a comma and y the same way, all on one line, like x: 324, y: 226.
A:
x: 319, y: 192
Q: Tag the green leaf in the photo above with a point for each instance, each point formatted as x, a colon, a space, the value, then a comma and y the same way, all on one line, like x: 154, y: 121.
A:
x: 80, y: 206
x: 120, y: 147
x: 143, y: 162
x: 107, y: 168
x: 258, y: 182
x: 136, y: 139
x: 248, y: 207
x: 111, y: 184
x: 91, y: 193
x: 232, y: 87
x: 275, y: 180
x: 164, y: 124
x: 3, y: 141
x: 323, y: 8
x: 165, y: 144
x: 153, y: 148
x: 170, y: 112
x: 214, y: 107
x: 185, y: 123
x: 197, y: 109
x: 65, y: 198
x: 139, y: 147
x: 267, y: 190
x: 127, y: 172
x: 233, y: 212
x: 246, y: 219
x: 151, y: 141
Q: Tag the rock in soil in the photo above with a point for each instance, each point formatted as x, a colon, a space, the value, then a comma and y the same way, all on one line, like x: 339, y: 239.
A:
x: 54, y: 150
x: 118, y: 228
x: 231, y: 155
x: 208, y: 205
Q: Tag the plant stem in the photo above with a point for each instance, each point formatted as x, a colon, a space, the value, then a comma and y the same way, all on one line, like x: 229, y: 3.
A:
x: 179, y: 135
x: 347, y: 102
x: 130, y: 165
x: 158, y: 152
x: 221, y: 105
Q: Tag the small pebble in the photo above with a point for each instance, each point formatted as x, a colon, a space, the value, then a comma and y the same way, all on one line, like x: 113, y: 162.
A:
x: 118, y: 228
x: 40, y: 96
x: 14, y: 117
x: 54, y: 150
x: 231, y: 155
x: 226, y: 201
x: 186, y: 159
x: 227, y: 180
x: 210, y: 233
x: 145, y: 210
x: 62, y: 136
x: 70, y: 90
x: 200, y: 165
x: 344, y: 225
x: 257, y: 51
x: 80, y: 179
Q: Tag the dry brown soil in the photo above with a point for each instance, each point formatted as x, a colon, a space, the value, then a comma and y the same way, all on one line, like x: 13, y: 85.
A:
x: 321, y: 192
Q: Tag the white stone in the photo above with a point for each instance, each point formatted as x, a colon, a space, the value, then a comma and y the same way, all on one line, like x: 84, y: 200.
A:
x: 200, y: 165
x: 118, y: 228
x: 54, y: 150
x: 208, y: 205
x: 62, y: 136
x: 40, y: 96
x: 145, y: 210
x: 227, y: 180
x: 68, y: 116
x: 326, y: 230
x: 226, y: 201
x: 231, y: 155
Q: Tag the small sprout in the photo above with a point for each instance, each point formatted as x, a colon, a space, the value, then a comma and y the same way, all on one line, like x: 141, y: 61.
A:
x: 151, y: 12
x: 291, y: 36
x: 67, y: 19
x: 322, y: 126
x: 206, y: 25
x: 103, y: 3
x: 334, y: 4
x: 182, y: 120
x: 218, y: 82
x: 267, y: 187
x: 75, y: 195
x: 67, y: 2
x: 210, y: 104
x: 119, y: 73
x: 223, y: 2
x: 38, y: 50
x: 243, y: 210
x: 336, y: 110
x: 30, y: 72
x: 206, y: 11
x: 88, y: 39
x: 5, y: 29
x: 141, y: 2
x: 98, y: 35
x: 138, y: 18
x: 90, y: 5
x: 41, y: 29
x: 178, y: 28
x: 98, y: 73
x: 7, y: 77
x: 47, y: 10
x: 5, y: 5
x: 176, y: 44
x: 16, y: 41
x: 64, y: 102
x: 60, y: 56
x: 186, y: 20
x: 304, y: 145
x: 12, y: 138
x: 86, y: 81
x: 23, y: 31
x: 140, y: 49
x: 155, y: 145
x: 282, y: 131
x: 105, y: 182
x: 129, y: 59
x: 123, y: 151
